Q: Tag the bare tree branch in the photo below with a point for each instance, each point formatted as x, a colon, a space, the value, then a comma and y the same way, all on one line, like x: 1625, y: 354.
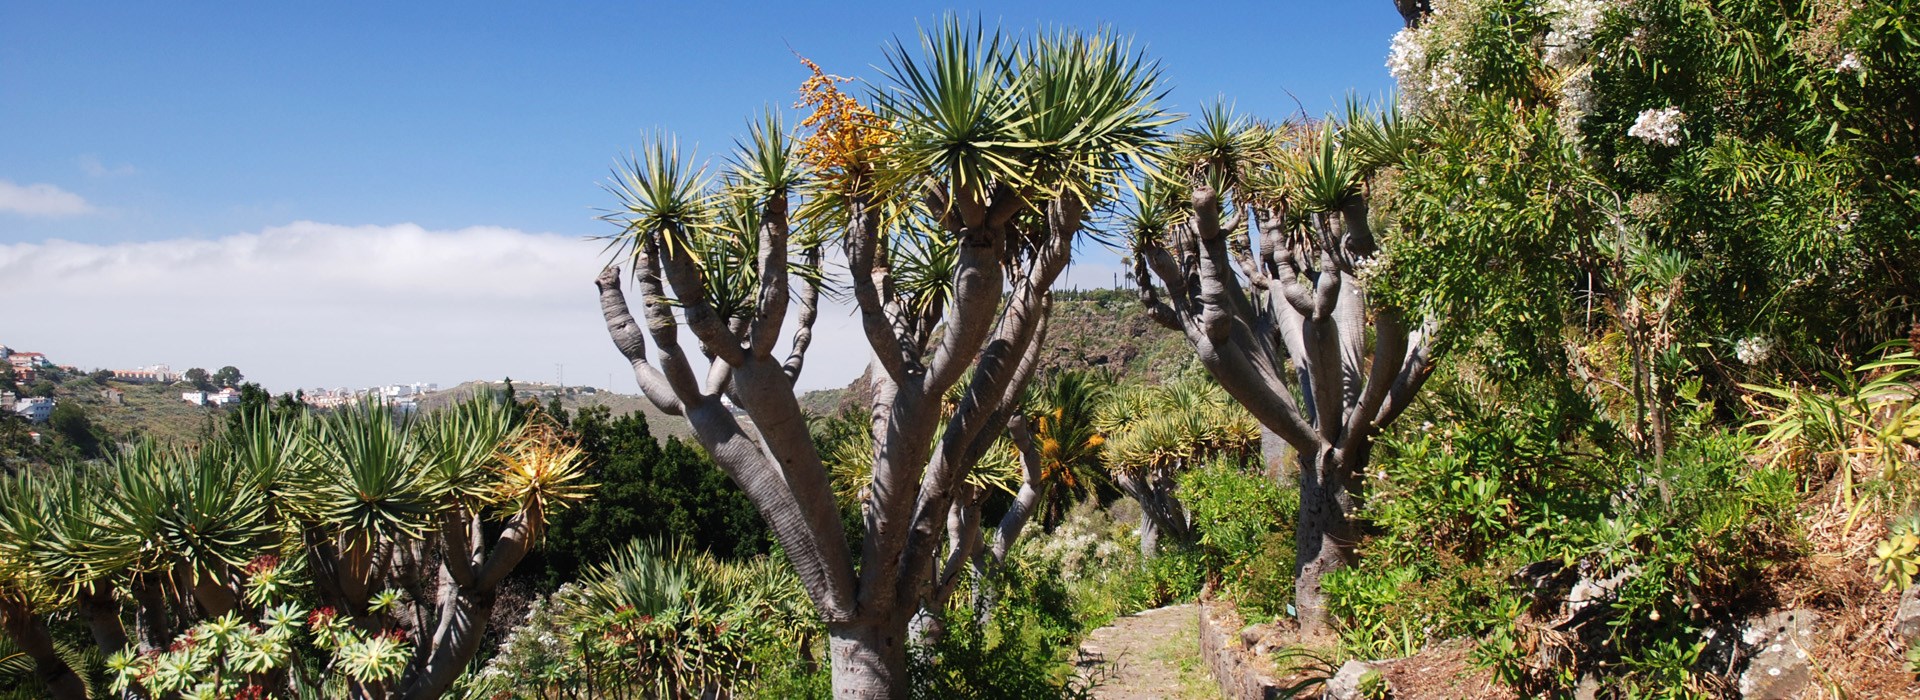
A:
x: 803, y: 329
x: 626, y: 336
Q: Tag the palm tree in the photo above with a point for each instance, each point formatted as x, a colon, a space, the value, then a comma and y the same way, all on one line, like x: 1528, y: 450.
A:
x: 1062, y: 412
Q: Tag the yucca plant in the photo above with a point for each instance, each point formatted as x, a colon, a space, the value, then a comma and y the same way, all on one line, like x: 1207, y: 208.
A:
x: 178, y: 525
x: 29, y: 590
x: 1259, y: 248
x: 656, y: 619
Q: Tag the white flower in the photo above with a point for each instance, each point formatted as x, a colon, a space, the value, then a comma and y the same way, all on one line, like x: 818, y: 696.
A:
x: 1753, y: 350
x: 1366, y: 268
x: 1577, y: 98
x: 1849, y: 63
x: 1659, y: 126
x: 1406, y: 61
x: 1406, y: 56
x: 1572, y: 24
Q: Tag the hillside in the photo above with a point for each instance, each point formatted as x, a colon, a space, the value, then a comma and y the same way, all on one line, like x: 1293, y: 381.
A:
x: 1100, y: 330
x: 149, y: 410
x: 571, y: 398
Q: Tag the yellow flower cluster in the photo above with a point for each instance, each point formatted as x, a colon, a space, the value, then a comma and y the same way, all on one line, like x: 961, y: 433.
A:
x: 845, y: 133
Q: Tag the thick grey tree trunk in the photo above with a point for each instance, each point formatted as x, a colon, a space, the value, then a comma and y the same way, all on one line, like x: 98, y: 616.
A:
x: 1290, y: 319
x: 869, y: 658
x: 1323, y: 538
x: 987, y: 333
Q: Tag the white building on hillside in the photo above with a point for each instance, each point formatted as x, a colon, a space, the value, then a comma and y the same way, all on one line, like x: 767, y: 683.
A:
x: 36, y: 409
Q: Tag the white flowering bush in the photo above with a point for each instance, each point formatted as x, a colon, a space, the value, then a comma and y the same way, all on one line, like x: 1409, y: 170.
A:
x: 1658, y: 126
x: 1775, y: 146
x: 1089, y: 541
x: 1753, y: 350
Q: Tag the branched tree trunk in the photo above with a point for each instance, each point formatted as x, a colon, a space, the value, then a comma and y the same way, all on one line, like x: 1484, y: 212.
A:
x: 1291, y: 317
x: 953, y: 234
x: 1161, y: 512
x: 30, y: 633
x: 914, y: 487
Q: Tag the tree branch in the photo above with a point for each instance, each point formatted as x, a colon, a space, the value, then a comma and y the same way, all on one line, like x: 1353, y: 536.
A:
x: 689, y: 288
x: 803, y: 330
x: 663, y: 392
x: 862, y: 242
x: 771, y: 313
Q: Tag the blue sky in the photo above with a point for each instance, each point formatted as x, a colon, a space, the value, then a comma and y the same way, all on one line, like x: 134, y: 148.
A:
x: 206, y: 139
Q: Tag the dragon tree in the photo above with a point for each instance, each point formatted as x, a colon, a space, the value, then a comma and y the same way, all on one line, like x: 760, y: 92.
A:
x: 1262, y: 239
x: 955, y: 194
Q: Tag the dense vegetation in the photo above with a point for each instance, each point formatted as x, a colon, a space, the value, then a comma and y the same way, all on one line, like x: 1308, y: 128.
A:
x: 1594, y: 347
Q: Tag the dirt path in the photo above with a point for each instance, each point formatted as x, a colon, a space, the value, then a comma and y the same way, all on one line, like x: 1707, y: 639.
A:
x: 1148, y: 656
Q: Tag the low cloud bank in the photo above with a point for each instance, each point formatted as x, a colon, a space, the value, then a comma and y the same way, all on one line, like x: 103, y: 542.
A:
x: 313, y: 304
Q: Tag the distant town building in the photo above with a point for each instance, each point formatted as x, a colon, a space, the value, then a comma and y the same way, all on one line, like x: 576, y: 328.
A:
x: 224, y: 397
x: 403, y: 398
x: 28, y: 360
x: 151, y: 374
x: 114, y: 396
x: 36, y: 409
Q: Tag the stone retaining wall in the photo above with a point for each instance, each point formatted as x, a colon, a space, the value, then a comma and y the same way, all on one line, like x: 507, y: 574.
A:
x: 1241, y: 674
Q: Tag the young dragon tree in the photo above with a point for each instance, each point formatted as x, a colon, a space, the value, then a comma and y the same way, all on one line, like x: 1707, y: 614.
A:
x: 955, y: 200
x: 1286, y: 325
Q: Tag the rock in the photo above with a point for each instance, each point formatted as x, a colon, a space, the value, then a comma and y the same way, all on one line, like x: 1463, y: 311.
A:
x: 1261, y: 638
x: 1906, y: 618
x: 1588, y: 591
x: 1357, y: 680
x: 1777, y: 665
x: 1588, y: 688
x: 1254, y: 634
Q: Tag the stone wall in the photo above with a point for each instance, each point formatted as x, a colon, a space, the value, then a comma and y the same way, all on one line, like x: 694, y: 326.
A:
x: 1241, y: 673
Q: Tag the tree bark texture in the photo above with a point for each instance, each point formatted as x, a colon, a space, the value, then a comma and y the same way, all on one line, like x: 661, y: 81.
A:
x: 987, y: 333
x: 1284, y: 319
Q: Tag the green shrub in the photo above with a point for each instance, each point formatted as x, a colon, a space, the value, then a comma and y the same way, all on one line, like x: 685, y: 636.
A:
x: 1245, y: 525
x: 660, y: 620
x: 1005, y: 659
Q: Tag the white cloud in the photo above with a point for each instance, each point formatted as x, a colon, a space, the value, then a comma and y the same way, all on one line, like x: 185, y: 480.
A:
x: 311, y: 304
x: 40, y: 200
x: 91, y: 165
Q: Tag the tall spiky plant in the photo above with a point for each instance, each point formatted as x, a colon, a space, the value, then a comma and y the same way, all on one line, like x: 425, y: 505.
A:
x: 957, y: 191
x: 1283, y: 320
x: 1154, y: 433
